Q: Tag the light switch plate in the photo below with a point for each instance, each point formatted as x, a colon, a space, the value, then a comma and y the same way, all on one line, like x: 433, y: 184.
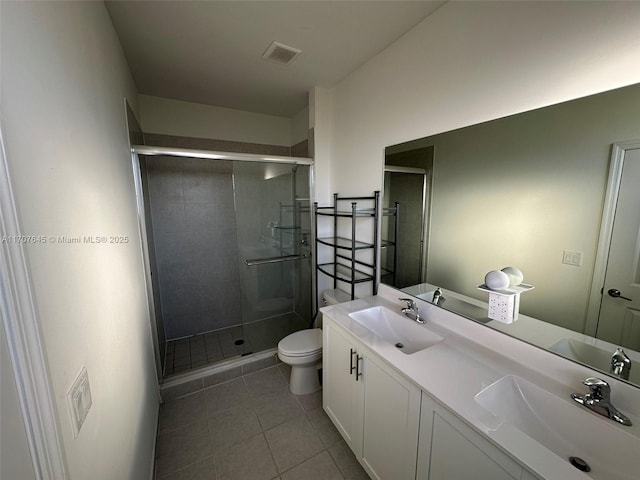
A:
x: 570, y: 257
x: 79, y: 401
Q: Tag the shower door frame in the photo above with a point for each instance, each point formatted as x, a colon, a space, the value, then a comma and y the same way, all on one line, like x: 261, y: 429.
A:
x: 149, y: 150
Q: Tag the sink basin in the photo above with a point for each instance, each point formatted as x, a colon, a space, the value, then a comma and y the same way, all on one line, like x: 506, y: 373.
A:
x: 405, y: 334
x: 592, y: 356
x: 564, y: 427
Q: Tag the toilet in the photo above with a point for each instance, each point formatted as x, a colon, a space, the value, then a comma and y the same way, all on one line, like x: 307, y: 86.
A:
x: 302, y: 350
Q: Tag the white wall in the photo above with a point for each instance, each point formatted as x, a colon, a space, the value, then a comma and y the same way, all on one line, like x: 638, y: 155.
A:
x: 64, y: 78
x: 172, y: 117
x: 300, y: 126
x: 467, y: 63
x: 14, y: 449
x: 474, y: 61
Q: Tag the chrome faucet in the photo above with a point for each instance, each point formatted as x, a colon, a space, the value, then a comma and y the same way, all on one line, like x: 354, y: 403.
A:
x: 620, y: 364
x: 438, y: 298
x: 411, y: 310
x: 599, y: 400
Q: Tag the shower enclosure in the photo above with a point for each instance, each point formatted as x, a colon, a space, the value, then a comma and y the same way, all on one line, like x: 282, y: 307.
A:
x: 228, y: 242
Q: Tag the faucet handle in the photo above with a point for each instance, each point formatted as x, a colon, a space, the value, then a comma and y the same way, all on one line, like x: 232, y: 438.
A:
x: 599, y: 388
x: 410, y: 303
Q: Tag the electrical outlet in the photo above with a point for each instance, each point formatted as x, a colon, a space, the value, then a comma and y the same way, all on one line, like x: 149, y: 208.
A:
x: 504, y: 308
x: 79, y: 401
x: 569, y: 257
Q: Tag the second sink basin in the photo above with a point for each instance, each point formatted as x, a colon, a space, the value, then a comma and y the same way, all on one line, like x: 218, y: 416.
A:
x: 564, y: 427
x: 592, y: 356
x: 405, y: 334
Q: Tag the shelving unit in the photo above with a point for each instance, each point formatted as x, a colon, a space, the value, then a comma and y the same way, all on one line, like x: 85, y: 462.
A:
x: 389, y: 245
x: 345, y: 266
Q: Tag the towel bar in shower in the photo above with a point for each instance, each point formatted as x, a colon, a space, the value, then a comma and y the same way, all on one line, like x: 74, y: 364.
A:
x: 285, y: 258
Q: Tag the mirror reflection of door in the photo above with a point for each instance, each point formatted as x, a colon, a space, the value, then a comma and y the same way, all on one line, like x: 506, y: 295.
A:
x: 407, y: 180
x: 407, y: 187
x: 621, y: 293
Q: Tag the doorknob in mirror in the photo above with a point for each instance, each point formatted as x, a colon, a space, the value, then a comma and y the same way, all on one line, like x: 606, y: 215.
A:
x: 614, y: 292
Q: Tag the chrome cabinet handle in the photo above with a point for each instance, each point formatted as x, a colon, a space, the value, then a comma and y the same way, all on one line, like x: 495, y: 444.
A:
x: 615, y: 293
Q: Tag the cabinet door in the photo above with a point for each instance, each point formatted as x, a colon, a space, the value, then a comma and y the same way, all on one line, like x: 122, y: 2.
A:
x: 451, y: 450
x: 391, y: 421
x: 342, y: 395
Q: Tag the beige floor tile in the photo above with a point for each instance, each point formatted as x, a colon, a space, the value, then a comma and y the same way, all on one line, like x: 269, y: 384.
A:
x: 248, y: 460
x: 285, y: 370
x: 181, y: 412
x: 293, y: 442
x: 320, y: 467
x: 311, y: 401
x: 226, y: 395
x: 180, y: 448
x: 347, y: 463
x: 215, y: 434
x: 274, y: 409
x: 266, y: 382
x: 233, y: 425
x: 325, y: 429
x: 201, y: 470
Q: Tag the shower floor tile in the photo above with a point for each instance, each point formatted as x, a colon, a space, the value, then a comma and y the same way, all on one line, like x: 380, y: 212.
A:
x: 205, y: 349
x: 251, y: 427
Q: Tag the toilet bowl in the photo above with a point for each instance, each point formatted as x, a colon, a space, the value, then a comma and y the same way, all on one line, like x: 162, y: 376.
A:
x: 302, y: 350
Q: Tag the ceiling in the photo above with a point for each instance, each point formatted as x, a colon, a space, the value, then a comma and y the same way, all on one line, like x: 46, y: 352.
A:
x: 210, y: 51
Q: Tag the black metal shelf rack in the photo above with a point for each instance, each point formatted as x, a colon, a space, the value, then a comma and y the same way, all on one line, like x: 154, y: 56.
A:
x: 345, y: 267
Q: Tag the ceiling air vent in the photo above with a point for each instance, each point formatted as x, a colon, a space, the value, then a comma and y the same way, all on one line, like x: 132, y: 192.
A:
x: 281, y: 53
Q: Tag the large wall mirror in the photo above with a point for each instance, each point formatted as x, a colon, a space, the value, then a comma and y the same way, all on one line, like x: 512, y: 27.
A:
x: 545, y: 191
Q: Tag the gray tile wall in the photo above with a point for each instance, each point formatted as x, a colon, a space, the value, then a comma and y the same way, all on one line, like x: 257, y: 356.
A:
x: 159, y: 140
x: 301, y: 149
x: 194, y: 229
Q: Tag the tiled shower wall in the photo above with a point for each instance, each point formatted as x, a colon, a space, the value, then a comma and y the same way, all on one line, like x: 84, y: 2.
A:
x: 194, y: 228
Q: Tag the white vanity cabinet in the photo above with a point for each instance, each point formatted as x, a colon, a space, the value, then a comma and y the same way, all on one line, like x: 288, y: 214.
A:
x: 375, y: 408
x: 396, y: 430
x: 341, y: 394
x: 450, y: 449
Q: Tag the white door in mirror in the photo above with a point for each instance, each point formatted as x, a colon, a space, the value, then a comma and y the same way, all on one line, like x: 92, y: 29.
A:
x: 621, y: 293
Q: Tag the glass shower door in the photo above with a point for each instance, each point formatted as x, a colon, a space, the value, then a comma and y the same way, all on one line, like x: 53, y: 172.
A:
x: 273, y: 233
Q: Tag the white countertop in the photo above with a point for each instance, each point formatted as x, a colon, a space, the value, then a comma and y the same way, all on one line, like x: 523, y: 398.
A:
x: 472, y: 357
x: 529, y: 329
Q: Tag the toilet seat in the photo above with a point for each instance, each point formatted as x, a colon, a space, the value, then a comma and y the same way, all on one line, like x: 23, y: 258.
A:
x: 301, y: 343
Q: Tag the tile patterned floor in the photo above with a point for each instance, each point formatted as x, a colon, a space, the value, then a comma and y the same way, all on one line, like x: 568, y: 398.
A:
x: 205, y: 349
x: 251, y: 428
